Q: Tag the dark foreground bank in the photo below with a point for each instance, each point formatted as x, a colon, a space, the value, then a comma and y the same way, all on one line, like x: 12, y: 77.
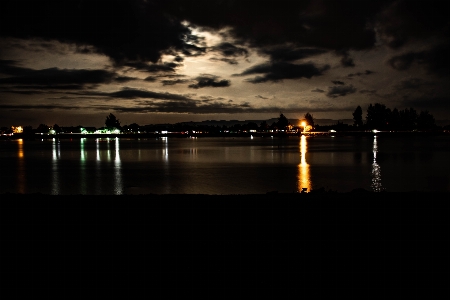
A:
x: 278, y: 246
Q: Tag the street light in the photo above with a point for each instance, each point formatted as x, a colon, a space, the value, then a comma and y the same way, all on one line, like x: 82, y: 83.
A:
x: 303, y: 124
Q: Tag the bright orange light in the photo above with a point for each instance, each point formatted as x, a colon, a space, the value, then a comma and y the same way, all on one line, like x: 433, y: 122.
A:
x: 17, y: 129
x: 303, y: 124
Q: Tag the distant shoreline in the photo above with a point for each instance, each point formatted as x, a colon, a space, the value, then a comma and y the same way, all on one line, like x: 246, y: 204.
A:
x: 200, y: 135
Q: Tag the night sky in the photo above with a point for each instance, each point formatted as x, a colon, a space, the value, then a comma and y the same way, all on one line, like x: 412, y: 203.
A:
x: 165, y: 61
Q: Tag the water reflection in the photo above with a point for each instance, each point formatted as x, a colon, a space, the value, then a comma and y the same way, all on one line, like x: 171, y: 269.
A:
x: 165, y: 151
x: 21, y: 168
x: 98, y: 175
x: 83, y: 155
x: 165, y: 157
x: 118, y: 186
x: 304, y: 179
x: 376, y: 170
x: 56, y: 155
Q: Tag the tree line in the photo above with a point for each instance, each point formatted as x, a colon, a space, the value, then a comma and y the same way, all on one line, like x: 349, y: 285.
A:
x: 381, y: 117
x: 378, y: 116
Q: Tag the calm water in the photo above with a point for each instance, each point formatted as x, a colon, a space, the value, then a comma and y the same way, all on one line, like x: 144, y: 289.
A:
x: 225, y: 165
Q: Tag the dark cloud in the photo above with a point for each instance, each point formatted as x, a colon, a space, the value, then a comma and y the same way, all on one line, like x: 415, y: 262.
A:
x: 122, y: 79
x: 55, y: 76
x: 153, y: 68
x: 436, y: 60
x: 9, y: 67
x: 323, y: 24
x: 404, y: 61
x: 427, y: 103
x: 337, y: 82
x: 47, y: 88
x: 150, y: 79
x: 123, y: 30
x: 140, y: 30
x: 405, y: 21
x: 317, y: 90
x: 206, y: 80
x: 193, y: 50
x: 371, y: 92
x: 261, y: 97
x: 281, y: 70
x: 179, y: 59
x: 175, y: 81
x: 288, y: 53
x: 340, y: 90
x: 40, y: 106
x: 346, y: 60
x: 129, y: 93
x: 230, y: 61
x: 228, y: 49
x: 367, y: 72
x: 411, y: 84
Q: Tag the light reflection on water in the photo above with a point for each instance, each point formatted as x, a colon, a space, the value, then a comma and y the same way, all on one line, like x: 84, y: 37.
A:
x: 304, y: 178
x: 98, y: 170
x: 223, y: 166
x: 376, y: 169
x: 83, y: 156
x: 55, y: 172
x: 118, y: 184
x: 21, y: 179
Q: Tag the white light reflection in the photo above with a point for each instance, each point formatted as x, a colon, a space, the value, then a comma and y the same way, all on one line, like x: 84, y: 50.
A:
x: 304, y: 179
x: 165, y: 151
x: 98, y: 177
x: 165, y: 156
x: 98, y: 149
x: 55, y: 175
x: 118, y: 186
x: 376, y: 170
x: 108, y: 152
x: 83, y: 166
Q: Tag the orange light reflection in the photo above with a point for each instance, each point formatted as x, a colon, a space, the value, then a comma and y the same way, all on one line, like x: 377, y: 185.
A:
x: 304, y: 179
x: 21, y: 168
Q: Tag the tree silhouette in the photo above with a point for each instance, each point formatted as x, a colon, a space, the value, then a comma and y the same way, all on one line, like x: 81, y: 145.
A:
x: 282, y: 122
x: 408, y: 118
x: 377, y: 116
x: 357, y: 117
x: 264, y: 126
x: 42, y: 128
x: 309, y: 119
x: 56, y: 128
x: 425, y: 121
x: 112, y: 121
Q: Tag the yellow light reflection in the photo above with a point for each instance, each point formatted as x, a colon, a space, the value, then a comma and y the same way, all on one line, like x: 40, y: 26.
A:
x: 20, y: 141
x: 21, y: 168
x: 304, y: 179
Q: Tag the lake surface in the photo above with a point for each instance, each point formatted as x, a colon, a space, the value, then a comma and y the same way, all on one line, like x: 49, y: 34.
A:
x: 225, y: 165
